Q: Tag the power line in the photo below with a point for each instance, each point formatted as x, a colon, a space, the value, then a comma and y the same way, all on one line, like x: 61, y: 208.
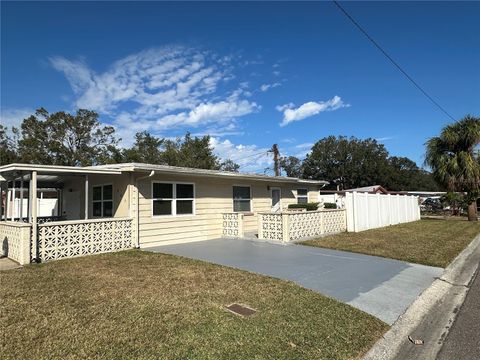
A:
x: 391, y: 59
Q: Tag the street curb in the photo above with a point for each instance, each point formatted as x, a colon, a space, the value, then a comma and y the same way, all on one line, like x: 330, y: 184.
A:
x: 454, y: 282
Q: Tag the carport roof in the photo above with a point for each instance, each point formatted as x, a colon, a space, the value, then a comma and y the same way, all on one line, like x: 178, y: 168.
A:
x: 6, y: 170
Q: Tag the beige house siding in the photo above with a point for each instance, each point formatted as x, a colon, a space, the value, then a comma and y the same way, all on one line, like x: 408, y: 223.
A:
x: 213, y: 196
x: 76, y: 185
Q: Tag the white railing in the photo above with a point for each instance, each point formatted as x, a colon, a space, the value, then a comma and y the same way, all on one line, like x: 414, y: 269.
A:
x: 15, y: 241
x: 370, y: 211
x: 294, y: 226
x: 65, y: 239
x: 232, y: 225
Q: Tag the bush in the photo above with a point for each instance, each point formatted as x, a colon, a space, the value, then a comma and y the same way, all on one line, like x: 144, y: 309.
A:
x: 308, y: 206
x: 330, y: 205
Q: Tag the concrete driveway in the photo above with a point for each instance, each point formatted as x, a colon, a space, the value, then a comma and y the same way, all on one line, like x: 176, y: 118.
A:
x: 378, y: 286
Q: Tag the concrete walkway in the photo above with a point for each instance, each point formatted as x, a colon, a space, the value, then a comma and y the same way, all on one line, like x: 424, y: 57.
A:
x: 8, y: 264
x: 379, y: 286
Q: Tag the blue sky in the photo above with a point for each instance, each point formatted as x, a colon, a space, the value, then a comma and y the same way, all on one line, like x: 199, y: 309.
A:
x: 249, y: 74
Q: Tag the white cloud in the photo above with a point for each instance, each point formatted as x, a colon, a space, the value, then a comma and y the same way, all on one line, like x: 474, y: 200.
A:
x: 14, y: 117
x: 251, y: 158
x: 160, y: 89
x: 291, y: 114
x: 206, y: 113
x: 266, y: 87
x: 385, y: 138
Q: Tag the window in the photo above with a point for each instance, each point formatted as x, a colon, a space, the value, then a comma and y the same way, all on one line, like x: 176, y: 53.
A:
x: 242, y: 199
x: 302, y: 196
x: 172, y: 199
x: 102, y: 201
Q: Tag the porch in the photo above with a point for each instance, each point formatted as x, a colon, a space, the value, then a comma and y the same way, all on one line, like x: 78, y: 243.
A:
x: 50, y: 213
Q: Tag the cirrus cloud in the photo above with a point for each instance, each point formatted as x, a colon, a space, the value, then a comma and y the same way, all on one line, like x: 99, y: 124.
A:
x: 161, y: 89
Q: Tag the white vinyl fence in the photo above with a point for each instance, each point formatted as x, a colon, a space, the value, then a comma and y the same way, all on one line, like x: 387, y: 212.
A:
x: 370, y: 211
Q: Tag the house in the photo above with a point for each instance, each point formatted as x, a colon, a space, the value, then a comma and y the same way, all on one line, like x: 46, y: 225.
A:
x: 338, y: 196
x: 100, y: 208
x: 373, y: 189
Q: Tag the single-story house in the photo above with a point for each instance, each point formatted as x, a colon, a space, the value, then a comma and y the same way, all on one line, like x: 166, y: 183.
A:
x: 146, y: 204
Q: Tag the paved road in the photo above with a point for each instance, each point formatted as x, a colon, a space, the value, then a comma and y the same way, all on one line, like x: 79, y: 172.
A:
x: 463, y: 340
x: 381, y: 287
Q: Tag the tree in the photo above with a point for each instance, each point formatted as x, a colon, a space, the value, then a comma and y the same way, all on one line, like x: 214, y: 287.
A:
x: 359, y: 162
x: 65, y: 139
x: 146, y: 149
x: 229, y: 165
x: 8, y: 147
x: 404, y: 174
x: 454, y: 159
x: 292, y: 166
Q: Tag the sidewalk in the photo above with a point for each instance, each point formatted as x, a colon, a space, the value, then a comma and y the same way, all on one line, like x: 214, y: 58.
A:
x: 463, y: 340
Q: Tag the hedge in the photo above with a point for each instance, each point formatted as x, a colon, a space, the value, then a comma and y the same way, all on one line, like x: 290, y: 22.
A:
x: 308, y: 206
x: 330, y: 205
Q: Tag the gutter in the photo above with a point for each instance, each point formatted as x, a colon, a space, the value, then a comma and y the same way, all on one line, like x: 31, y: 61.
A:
x: 137, y: 245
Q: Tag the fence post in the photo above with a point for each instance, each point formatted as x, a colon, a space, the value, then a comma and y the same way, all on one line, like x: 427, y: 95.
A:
x: 240, y: 225
x: 285, y: 227
x: 355, y: 225
x: 260, y: 226
x: 24, y: 246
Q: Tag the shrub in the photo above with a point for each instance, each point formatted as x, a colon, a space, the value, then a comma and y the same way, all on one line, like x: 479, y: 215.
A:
x: 330, y: 205
x: 308, y: 206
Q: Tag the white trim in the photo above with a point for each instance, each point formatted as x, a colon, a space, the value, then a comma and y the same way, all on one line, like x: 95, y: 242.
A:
x: 103, y: 200
x: 58, y: 169
x: 251, y: 199
x: 308, y: 193
x: 174, y: 198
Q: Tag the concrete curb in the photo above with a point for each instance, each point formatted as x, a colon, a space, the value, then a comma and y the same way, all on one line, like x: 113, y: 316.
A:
x: 441, y: 301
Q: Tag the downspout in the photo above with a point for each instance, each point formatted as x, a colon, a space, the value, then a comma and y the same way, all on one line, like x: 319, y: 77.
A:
x: 137, y: 245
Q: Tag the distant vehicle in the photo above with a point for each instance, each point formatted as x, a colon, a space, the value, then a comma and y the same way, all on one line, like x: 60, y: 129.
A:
x: 432, y: 204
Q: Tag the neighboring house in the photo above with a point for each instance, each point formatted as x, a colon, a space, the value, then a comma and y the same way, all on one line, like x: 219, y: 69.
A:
x: 338, y: 196
x: 155, y: 204
x: 373, y: 189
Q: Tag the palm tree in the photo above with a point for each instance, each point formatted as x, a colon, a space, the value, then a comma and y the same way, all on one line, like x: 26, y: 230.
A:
x: 454, y: 159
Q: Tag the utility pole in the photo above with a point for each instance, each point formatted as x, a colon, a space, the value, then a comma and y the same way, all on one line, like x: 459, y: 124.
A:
x: 276, y: 159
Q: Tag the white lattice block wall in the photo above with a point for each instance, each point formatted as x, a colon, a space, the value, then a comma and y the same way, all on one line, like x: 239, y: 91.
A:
x: 334, y: 221
x: 15, y: 241
x: 271, y: 226
x: 232, y: 225
x: 78, y: 238
x: 305, y: 225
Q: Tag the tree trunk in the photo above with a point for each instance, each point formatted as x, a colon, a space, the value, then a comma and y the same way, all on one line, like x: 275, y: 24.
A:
x: 472, y: 211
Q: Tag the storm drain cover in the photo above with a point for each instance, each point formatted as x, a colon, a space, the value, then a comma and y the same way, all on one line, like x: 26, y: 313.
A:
x: 241, y: 309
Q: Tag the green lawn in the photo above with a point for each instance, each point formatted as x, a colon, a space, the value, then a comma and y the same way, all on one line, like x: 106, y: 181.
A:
x: 429, y: 242
x: 137, y: 305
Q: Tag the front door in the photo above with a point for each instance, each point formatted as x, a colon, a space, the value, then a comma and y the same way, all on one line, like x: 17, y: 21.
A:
x: 276, y: 197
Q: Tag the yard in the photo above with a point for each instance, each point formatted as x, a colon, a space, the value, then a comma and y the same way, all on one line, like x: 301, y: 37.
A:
x: 428, y: 242
x: 142, y: 305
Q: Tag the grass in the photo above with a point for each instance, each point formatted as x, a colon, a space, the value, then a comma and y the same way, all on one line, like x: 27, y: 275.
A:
x: 428, y: 242
x: 138, y: 305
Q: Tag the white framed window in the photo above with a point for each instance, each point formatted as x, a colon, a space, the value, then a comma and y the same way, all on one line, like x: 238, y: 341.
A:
x: 302, y: 196
x: 242, y: 198
x: 102, y: 200
x: 173, y: 199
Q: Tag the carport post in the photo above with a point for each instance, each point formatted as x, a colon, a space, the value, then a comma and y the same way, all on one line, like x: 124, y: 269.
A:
x: 13, y: 200
x: 34, y: 209
x: 86, y: 197
x: 21, y: 198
